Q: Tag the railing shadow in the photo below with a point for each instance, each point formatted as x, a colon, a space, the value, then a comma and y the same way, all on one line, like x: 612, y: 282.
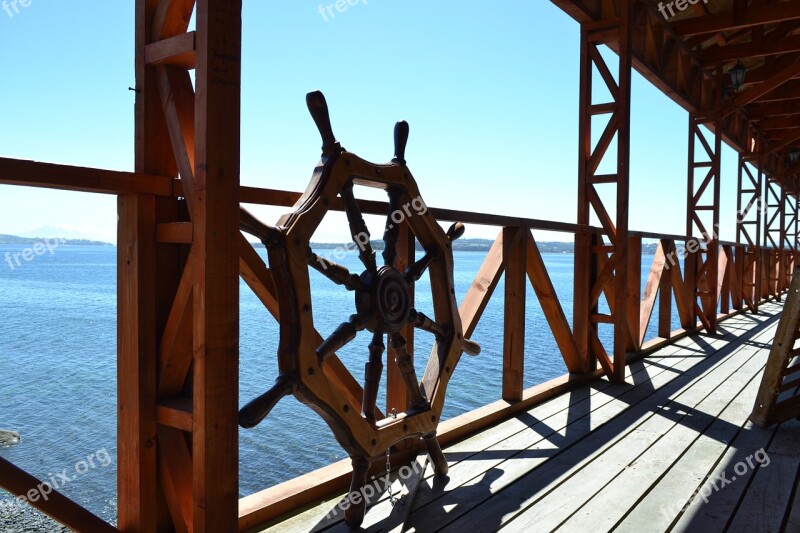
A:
x: 540, y: 465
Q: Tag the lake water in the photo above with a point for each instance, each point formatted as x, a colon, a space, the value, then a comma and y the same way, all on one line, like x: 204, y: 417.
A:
x: 58, y: 367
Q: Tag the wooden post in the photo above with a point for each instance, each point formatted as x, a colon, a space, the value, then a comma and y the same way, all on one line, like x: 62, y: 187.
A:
x: 738, y: 290
x: 215, y: 443
x: 514, y: 254
x: 583, y: 277
x: 665, y: 290
x: 139, y: 303
x: 623, y: 112
x: 633, y: 296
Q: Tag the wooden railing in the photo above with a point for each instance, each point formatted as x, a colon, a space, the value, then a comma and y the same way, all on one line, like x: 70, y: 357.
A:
x: 747, y: 276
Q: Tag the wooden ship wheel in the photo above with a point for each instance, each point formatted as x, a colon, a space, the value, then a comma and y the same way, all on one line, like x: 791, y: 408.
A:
x: 383, y: 307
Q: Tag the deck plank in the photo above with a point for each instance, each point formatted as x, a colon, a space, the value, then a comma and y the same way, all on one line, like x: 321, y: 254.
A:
x: 591, y: 485
x: 531, y: 485
x: 768, y: 495
x: 674, y: 492
x: 604, y: 510
x: 712, y: 512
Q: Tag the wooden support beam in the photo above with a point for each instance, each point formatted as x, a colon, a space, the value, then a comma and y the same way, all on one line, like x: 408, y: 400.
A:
x: 215, y: 442
x: 515, y: 244
x: 54, y: 504
x: 482, y: 288
x: 175, y: 469
x: 71, y: 178
x: 786, y: 141
x: 141, y: 299
x: 551, y: 307
x: 651, y: 289
x: 175, y: 232
x: 177, y: 51
x: 724, y: 22
x: 779, y: 123
x: 734, y: 52
x: 171, y: 18
x: 136, y: 361
x: 633, y: 296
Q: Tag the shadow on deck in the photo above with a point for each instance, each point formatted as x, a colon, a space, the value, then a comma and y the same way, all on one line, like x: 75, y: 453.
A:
x: 671, y: 449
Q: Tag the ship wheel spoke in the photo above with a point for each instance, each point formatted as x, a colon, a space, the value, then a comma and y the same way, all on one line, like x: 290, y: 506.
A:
x: 372, y: 376
x: 358, y: 228
x: 392, y: 232
x: 345, y: 333
x: 421, y: 321
x: 403, y: 359
x: 416, y: 270
x: 335, y: 272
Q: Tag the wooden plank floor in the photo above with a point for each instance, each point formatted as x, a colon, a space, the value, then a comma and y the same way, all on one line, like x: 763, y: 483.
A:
x: 670, y: 450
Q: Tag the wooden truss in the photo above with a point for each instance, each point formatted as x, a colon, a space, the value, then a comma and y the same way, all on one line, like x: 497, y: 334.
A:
x: 702, y: 220
x: 600, y: 268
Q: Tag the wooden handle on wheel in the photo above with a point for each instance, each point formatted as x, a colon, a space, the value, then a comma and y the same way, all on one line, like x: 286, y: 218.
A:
x: 400, y: 141
x: 470, y: 347
x: 318, y: 108
x: 257, y: 410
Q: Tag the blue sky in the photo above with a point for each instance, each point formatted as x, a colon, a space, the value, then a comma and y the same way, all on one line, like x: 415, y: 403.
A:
x: 490, y: 91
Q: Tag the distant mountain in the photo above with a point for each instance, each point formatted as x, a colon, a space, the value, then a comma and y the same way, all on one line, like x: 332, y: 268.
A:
x: 64, y: 232
x: 13, y: 239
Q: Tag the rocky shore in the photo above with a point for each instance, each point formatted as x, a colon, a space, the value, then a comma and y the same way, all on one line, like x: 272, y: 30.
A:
x: 19, y: 518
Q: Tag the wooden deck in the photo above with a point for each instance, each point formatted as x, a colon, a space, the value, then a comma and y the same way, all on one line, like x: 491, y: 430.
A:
x: 670, y: 450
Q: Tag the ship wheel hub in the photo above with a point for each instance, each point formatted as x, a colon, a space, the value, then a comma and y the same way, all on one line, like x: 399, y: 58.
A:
x: 385, y: 301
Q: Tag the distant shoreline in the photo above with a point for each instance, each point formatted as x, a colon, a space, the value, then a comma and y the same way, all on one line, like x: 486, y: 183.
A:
x: 13, y: 239
x: 461, y: 245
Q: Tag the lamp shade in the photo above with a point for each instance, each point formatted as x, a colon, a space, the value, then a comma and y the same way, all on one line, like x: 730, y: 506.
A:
x: 737, y: 75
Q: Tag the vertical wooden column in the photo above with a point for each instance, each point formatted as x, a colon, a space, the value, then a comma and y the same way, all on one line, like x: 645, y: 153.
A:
x: 665, y: 294
x: 617, y: 25
x: 788, y: 233
x: 136, y: 364
x: 179, y: 348
x: 583, y: 277
x: 702, y: 200
x: 515, y: 242
x: 215, y: 444
x: 773, y: 235
x: 623, y: 113
x: 140, y: 306
x: 749, y: 204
